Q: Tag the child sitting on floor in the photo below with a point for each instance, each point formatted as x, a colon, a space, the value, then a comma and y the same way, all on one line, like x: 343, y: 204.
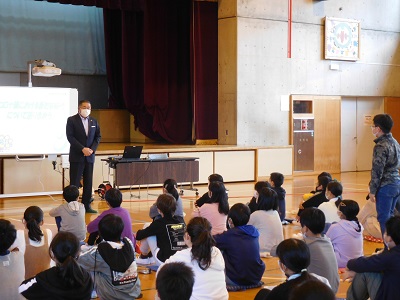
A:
x: 170, y: 186
x: 240, y: 249
x: 12, y: 269
x: 323, y: 260
x: 319, y: 196
x: 318, y: 188
x: 253, y: 204
x: 216, y: 210
x: 333, y: 193
x: 34, y: 242
x: 114, y: 200
x: 112, y: 262
x: 70, y: 216
x: 67, y: 280
x: 175, y: 281
x: 205, y: 259
x: 276, y: 180
x: 206, y: 197
x: 294, y: 259
x: 164, y: 236
x: 346, y: 235
x: 377, y: 276
x: 266, y: 220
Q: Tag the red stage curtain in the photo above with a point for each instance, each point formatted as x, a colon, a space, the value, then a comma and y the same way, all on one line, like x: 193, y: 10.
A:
x: 167, y: 68
x: 149, y: 45
x: 204, y: 54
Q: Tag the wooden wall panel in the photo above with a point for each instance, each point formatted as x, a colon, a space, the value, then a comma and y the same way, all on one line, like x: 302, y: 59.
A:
x: 227, y: 81
x: 392, y: 107
x: 327, y: 134
x: 114, y: 125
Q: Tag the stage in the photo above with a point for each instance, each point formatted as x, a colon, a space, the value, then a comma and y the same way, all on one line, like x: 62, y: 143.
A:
x: 235, y: 163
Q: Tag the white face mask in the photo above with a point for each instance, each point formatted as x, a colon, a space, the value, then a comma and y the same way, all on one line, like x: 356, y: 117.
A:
x: 255, y: 195
x: 280, y: 267
x: 85, y: 112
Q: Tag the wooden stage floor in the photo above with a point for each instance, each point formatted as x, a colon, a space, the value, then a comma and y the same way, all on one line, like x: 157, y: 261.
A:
x: 355, y: 187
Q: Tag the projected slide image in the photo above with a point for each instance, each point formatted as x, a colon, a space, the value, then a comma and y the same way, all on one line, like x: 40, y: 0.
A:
x: 32, y: 120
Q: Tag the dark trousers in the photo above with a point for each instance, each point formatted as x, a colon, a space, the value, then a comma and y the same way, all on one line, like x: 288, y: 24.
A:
x: 78, y: 170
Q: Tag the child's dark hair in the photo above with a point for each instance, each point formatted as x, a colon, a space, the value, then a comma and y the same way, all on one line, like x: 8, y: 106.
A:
x: 260, y: 185
x: 267, y: 199
x: 239, y: 214
x: 175, y: 281
x: 295, y: 255
x: 215, y: 177
x: 8, y: 234
x: 113, y: 197
x: 166, y: 203
x: 314, y: 219
x: 277, y: 178
x: 325, y: 174
x: 312, y: 289
x: 384, y: 122
x: 71, y: 193
x: 336, y: 188
x: 111, y: 227
x: 199, y: 230
x: 393, y: 229
x: 65, y: 249
x: 350, y: 210
x: 323, y: 181
x: 219, y: 196
x: 170, y: 185
x: 33, y: 216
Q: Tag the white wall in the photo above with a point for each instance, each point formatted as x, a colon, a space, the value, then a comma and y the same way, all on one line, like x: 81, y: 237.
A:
x: 265, y: 73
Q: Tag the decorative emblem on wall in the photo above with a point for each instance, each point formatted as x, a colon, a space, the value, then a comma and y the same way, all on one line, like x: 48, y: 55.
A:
x: 342, y: 39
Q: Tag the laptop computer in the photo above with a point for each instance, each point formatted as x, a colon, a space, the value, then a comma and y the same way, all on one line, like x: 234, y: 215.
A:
x: 130, y: 153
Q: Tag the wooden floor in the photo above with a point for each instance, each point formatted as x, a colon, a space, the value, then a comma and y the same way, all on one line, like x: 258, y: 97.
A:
x: 355, y: 187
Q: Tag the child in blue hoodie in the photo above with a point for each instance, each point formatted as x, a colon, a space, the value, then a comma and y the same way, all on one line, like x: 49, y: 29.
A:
x: 240, y: 248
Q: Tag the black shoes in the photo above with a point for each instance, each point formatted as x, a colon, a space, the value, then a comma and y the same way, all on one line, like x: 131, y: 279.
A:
x: 90, y: 210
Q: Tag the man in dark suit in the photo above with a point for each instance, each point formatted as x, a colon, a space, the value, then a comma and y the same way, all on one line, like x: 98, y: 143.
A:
x: 83, y: 134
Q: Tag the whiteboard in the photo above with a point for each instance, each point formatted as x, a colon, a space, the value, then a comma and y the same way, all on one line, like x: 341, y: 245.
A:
x: 33, y: 120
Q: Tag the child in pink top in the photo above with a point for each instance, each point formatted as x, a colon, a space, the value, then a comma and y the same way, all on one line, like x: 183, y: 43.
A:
x: 217, y: 210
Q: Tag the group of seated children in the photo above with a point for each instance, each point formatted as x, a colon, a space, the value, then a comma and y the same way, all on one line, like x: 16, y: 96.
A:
x: 218, y: 250
x: 275, y: 183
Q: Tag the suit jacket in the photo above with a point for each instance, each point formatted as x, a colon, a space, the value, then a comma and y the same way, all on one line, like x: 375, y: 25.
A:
x: 78, y: 140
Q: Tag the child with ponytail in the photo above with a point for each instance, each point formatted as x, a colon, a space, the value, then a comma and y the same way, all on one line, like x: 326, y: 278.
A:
x: 346, y: 235
x: 67, y: 280
x: 294, y: 259
x: 34, y: 242
x: 333, y: 193
x: 205, y: 259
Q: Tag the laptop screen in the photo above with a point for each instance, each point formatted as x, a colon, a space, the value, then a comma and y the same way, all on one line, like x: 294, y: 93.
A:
x: 132, y: 152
